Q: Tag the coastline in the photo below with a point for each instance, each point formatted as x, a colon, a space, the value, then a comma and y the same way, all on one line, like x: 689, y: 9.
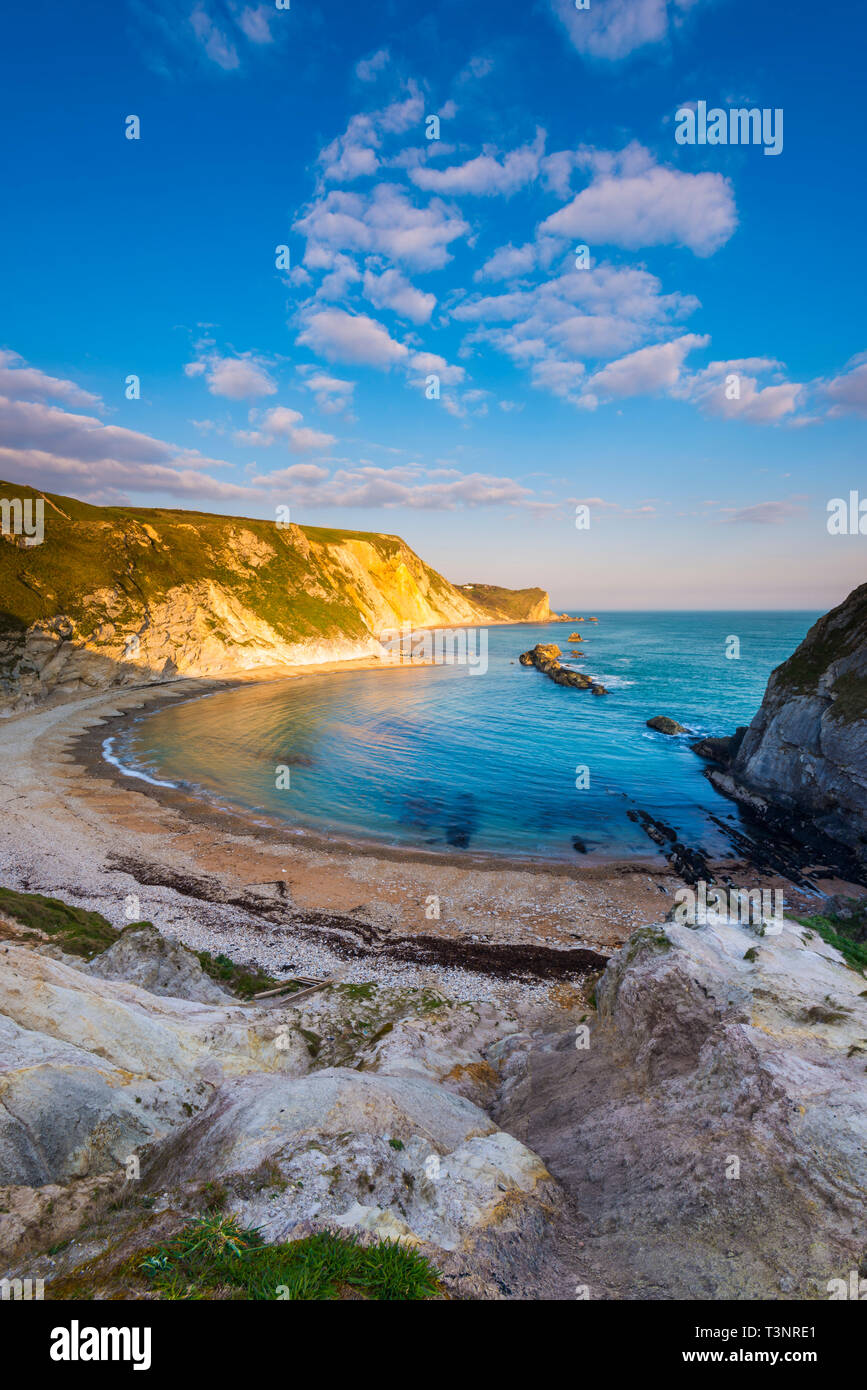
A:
x: 76, y: 827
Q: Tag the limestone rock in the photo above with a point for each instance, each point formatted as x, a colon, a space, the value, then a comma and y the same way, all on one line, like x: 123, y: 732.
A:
x: 160, y: 964
x: 714, y: 1131
x: 805, y: 751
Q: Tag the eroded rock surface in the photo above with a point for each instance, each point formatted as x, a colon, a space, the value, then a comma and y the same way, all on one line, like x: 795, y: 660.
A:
x: 805, y: 752
x: 714, y: 1131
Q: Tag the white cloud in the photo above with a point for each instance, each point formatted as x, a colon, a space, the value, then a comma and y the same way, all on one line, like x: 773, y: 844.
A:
x: 651, y: 207
x: 507, y: 262
x: 730, y: 391
x: 764, y: 514
x: 368, y: 68
x: 612, y: 29
x: 383, y: 223
x: 332, y: 394
x: 486, y: 175
x: 53, y: 448
x: 355, y: 152
x: 848, y: 391
x: 217, y: 46
x: 392, y: 291
x: 430, y: 362
x: 254, y: 23
x: 282, y: 424
x: 401, y: 487
x: 646, y: 371
x: 342, y: 337
x: 21, y: 382
x: 237, y: 378
x: 595, y: 313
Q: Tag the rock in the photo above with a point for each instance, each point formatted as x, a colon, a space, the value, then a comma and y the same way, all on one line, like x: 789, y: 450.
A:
x: 663, y: 725
x: 94, y: 1070
x: 575, y: 637
x: 160, y: 964
x: 720, y: 750
x: 544, y: 656
x: 805, y: 752
x: 396, y: 1155
x: 714, y: 1132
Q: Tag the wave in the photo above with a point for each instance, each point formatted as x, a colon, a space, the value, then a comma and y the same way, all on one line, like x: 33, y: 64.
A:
x: 110, y: 757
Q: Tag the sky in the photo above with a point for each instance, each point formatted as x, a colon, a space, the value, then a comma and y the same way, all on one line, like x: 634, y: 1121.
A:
x: 327, y: 308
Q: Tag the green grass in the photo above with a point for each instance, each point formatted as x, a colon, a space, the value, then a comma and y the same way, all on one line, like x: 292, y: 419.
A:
x: 214, y: 1256
x: 79, y: 932
x: 87, y: 934
x: 240, y: 979
x: 841, y: 933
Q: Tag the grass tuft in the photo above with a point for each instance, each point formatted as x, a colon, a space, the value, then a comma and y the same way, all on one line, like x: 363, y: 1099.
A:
x: 215, y: 1257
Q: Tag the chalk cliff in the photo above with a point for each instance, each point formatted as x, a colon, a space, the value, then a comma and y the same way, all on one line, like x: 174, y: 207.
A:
x: 118, y: 595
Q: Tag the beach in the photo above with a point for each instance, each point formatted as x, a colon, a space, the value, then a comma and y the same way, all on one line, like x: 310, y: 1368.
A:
x: 75, y: 827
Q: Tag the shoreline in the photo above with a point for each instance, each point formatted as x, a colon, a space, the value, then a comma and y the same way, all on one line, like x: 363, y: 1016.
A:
x: 76, y: 827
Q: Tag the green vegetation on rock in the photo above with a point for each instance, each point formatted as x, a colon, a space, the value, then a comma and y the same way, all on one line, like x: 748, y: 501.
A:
x: 848, y: 935
x: 215, y: 1257
x: 78, y: 932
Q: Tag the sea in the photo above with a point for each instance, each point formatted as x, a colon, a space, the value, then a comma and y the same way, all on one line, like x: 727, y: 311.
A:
x: 488, y: 759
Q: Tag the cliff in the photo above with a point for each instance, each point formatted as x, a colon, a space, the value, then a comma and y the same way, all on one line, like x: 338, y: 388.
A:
x: 510, y: 605
x: 117, y: 595
x: 805, y: 752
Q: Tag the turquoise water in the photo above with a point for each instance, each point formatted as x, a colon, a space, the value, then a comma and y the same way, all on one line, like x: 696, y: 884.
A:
x: 437, y: 757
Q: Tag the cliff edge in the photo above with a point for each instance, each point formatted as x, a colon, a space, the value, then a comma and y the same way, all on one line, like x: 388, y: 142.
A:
x: 105, y: 596
x: 805, y: 752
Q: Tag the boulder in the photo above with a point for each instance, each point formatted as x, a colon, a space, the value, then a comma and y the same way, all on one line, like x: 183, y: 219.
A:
x: 663, y: 725
x: 160, y: 964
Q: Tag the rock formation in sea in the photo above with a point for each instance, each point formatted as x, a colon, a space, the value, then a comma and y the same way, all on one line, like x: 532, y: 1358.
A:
x: 545, y: 657
x: 803, y: 759
x: 121, y: 595
x: 664, y: 725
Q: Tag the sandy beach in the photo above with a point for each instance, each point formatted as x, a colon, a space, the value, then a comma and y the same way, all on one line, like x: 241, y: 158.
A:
x: 76, y: 827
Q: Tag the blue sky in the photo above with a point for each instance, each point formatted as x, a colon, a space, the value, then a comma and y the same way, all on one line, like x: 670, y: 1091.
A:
x: 411, y: 258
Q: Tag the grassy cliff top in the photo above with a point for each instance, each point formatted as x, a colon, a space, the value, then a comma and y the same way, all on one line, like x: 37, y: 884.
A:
x: 98, y: 562
x: 511, y: 604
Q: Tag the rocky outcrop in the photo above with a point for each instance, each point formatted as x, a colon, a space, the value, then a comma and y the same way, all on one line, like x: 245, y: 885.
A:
x: 662, y: 724
x: 161, y: 964
x: 711, y: 1127
x: 355, y: 1108
x: 121, y: 596
x: 720, y: 750
x: 702, y: 1136
x: 804, y: 756
x: 545, y: 657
